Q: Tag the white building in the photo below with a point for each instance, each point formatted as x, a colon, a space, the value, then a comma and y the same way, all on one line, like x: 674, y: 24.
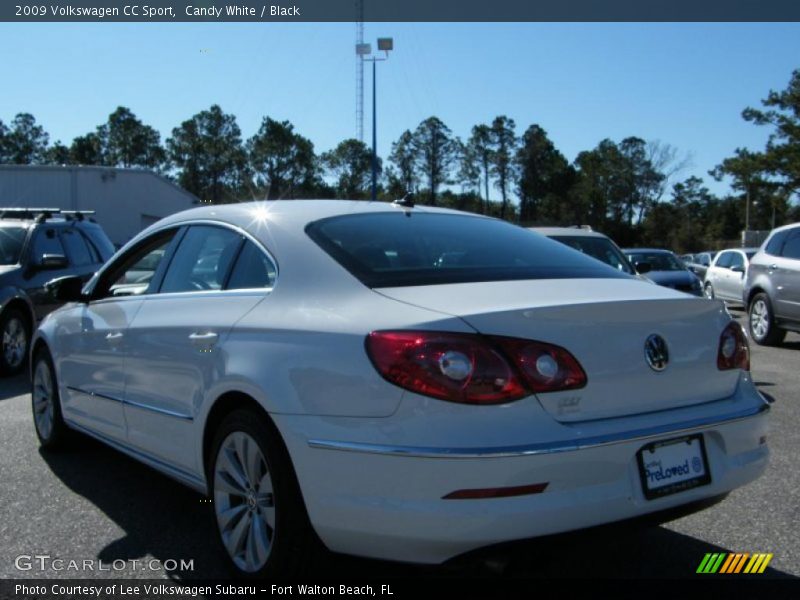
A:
x: 125, y: 200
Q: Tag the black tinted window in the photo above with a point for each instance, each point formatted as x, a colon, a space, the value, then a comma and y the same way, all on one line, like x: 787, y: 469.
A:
x: 78, y: 251
x: 600, y: 248
x: 46, y: 242
x: 791, y: 249
x: 253, y: 269
x: 100, y: 241
x: 776, y: 243
x: 399, y: 249
x: 11, y: 241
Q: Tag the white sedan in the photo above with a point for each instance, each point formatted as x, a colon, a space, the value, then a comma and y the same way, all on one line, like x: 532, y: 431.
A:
x: 399, y: 382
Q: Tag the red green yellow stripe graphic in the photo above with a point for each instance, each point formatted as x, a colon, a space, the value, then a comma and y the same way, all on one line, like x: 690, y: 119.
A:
x: 731, y: 563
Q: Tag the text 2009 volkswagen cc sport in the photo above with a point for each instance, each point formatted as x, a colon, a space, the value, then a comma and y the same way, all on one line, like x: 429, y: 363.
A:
x: 403, y: 382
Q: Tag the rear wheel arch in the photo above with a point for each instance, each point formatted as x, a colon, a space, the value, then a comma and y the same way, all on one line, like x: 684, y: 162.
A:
x: 223, y: 406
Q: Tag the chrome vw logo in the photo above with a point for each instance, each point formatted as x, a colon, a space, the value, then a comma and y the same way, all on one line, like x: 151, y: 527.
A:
x: 656, y: 352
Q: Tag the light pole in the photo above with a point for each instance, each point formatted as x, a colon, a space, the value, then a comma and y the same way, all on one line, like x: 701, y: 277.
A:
x: 385, y: 44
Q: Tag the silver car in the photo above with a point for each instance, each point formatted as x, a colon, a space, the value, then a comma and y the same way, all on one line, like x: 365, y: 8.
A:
x: 726, y: 276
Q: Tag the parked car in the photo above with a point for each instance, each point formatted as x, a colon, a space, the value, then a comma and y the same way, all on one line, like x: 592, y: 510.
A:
x: 700, y: 263
x: 687, y: 259
x: 37, y: 245
x: 666, y: 269
x: 725, y: 277
x: 400, y: 382
x: 591, y: 243
x: 772, y: 288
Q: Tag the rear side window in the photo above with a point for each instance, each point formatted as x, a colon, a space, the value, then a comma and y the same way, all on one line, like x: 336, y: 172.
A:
x: 11, y: 241
x: 791, y: 249
x: 394, y: 249
x: 202, y: 260
x: 600, y: 248
x: 46, y: 242
x: 100, y: 241
x: 253, y: 269
x: 776, y: 243
x: 78, y: 251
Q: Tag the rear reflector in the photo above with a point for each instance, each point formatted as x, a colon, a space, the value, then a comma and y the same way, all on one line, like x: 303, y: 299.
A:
x: 503, y: 492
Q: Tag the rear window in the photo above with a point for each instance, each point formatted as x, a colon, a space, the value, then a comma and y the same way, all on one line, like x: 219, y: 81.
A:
x: 600, y: 248
x: 410, y: 249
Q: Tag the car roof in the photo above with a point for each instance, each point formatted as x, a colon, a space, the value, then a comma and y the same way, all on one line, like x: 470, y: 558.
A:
x: 567, y: 231
x: 298, y: 212
x: 739, y: 249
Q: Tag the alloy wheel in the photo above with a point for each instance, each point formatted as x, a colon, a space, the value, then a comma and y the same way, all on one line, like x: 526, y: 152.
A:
x: 43, y: 399
x: 244, y: 501
x: 759, y: 319
x: 15, y: 342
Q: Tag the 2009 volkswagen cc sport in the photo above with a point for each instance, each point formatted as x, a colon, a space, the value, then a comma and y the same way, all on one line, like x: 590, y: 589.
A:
x: 399, y: 382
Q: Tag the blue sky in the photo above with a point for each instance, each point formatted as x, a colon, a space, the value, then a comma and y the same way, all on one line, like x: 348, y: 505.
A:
x: 682, y: 84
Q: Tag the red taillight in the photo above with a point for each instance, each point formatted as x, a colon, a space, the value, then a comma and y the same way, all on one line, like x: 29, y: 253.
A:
x: 734, y: 351
x: 546, y: 368
x: 449, y: 366
x: 470, y: 368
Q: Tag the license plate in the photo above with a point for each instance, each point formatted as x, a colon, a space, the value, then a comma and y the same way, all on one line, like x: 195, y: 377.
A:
x: 673, y: 466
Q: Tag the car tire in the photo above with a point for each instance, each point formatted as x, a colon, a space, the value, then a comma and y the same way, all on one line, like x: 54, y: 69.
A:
x: 708, y: 290
x: 260, y: 515
x: 48, y: 421
x: 761, y: 322
x: 15, y: 337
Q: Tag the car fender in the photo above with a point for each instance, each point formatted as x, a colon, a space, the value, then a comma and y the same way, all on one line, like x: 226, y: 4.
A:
x: 10, y: 293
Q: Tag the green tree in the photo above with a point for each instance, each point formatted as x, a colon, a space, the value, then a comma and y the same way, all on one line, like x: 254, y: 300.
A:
x: 544, y: 177
x: 283, y: 160
x: 642, y: 180
x: 127, y: 142
x: 207, y: 149
x: 58, y: 154
x: 403, y: 157
x: 436, y: 150
x: 86, y: 150
x: 479, y: 147
x: 504, y: 145
x: 24, y: 142
x: 782, y: 153
x: 350, y: 164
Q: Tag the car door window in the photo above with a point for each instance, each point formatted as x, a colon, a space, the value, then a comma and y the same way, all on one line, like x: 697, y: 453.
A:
x: 775, y: 243
x: 46, y: 242
x: 724, y: 260
x: 136, y: 271
x: 737, y: 260
x: 791, y: 249
x: 253, y: 269
x: 77, y: 250
x: 202, y: 260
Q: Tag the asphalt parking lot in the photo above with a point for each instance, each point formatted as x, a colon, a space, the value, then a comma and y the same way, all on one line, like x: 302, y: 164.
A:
x: 96, y: 504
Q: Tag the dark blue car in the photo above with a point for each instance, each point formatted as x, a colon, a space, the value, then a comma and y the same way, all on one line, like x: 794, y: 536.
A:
x: 665, y: 269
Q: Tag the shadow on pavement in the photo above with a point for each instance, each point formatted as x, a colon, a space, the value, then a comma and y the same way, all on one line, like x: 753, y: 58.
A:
x: 165, y: 520
x: 11, y: 387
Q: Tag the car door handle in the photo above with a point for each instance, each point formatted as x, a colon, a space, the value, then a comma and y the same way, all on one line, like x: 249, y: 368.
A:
x: 773, y: 267
x: 204, y: 339
x: 115, y: 337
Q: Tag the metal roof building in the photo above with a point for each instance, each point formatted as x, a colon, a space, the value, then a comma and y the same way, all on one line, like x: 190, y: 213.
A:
x: 125, y: 201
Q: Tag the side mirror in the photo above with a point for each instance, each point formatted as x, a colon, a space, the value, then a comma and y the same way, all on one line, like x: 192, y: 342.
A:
x: 53, y: 261
x: 643, y: 267
x: 738, y: 269
x: 66, y: 289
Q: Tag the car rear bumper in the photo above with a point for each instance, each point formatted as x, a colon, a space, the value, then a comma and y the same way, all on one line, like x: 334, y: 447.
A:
x: 388, y: 502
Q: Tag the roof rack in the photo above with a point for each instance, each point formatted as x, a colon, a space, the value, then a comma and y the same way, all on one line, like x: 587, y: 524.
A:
x: 78, y: 215
x: 40, y: 214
